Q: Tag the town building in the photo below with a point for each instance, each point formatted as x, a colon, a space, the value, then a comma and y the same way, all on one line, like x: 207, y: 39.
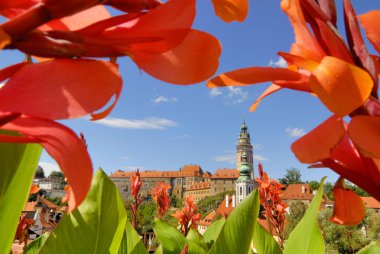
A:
x: 53, y: 186
x: 372, y: 203
x: 198, y: 191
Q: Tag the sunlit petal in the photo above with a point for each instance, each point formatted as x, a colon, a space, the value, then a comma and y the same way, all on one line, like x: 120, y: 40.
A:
x: 320, y: 142
x: 231, y: 10
x: 74, y: 88
x: 370, y: 22
x: 342, y: 87
x: 270, y: 90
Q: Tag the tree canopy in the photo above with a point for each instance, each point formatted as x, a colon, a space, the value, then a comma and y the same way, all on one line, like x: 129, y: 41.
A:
x: 40, y: 173
x: 292, y: 176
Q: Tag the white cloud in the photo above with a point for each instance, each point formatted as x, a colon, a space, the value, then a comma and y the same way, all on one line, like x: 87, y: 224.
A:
x: 259, y: 157
x: 295, y: 132
x: 134, y: 168
x: 229, y: 158
x: 237, y: 95
x: 257, y: 147
x: 215, y: 92
x: 49, y: 167
x: 162, y: 98
x: 151, y: 123
x: 279, y: 63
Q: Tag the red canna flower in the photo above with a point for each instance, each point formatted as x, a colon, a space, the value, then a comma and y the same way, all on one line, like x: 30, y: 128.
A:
x: 34, y: 189
x: 187, y: 216
x: 161, y: 197
x: 136, y: 183
x: 344, y: 76
x: 230, y: 10
x: 270, y: 191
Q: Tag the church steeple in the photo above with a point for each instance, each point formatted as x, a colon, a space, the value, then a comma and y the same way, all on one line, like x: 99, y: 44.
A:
x: 244, y: 146
x: 244, y: 184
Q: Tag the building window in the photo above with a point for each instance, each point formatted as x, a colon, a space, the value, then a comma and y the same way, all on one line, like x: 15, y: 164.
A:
x: 241, y: 190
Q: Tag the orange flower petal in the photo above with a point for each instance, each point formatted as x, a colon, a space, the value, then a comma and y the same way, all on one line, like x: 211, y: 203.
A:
x: 5, y: 39
x: 194, y: 60
x: 320, y: 142
x: 303, y: 37
x: 254, y: 75
x: 299, y: 61
x: 348, y: 207
x: 270, y: 90
x: 72, y: 89
x: 65, y: 147
x: 230, y: 10
x: 364, y: 132
x: 341, y: 86
x: 34, y: 189
x: 370, y: 22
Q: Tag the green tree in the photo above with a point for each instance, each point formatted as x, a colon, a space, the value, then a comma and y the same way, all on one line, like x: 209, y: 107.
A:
x: 40, y: 173
x: 292, y: 176
x: 328, y: 190
x: 211, y: 203
x: 358, y: 190
x: 174, y: 201
x: 57, y: 174
x: 314, y: 185
x: 296, y: 211
x: 344, y: 239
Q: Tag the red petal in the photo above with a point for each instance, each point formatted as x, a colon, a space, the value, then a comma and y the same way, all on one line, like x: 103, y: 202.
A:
x: 254, y: 75
x: 194, y: 60
x: 364, y: 132
x: 341, y: 86
x: 230, y: 10
x: 370, y: 21
x: 34, y: 189
x: 61, y: 89
x: 307, y: 46
x: 65, y: 147
x: 270, y: 90
x: 10, y: 71
x: 320, y: 142
x: 348, y: 207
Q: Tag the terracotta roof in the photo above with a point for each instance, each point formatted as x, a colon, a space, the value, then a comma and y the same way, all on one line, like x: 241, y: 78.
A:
x: 297, y: 191
x: 146, y: 174
x: 371, y: 202
x: 46, y: 202
x: 30, y: 207
x: 200, y: 186
x: 207, y: 220
x: 223, y: 210
x: 191, y: 170
x: 226, y: 174
x: 206, y: 174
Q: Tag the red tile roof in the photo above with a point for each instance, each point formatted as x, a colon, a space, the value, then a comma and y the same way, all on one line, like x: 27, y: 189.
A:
x: 371, y: 202
x: 206, y: 174
x: 207, y: 220
x: 30, y: 207
x: 191, y: 170
x: 46, y: 202
x: 226, y: 174
x: 146, y: 174
x: 200, y: 186
x: 297, y: 191
x: 223, y: 210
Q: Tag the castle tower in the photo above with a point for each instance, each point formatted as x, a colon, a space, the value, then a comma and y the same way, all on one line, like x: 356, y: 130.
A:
x: 244, y: 145
x: 244, y: 184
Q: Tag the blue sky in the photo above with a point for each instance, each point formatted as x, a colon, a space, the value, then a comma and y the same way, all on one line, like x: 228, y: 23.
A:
x: 159, y: 126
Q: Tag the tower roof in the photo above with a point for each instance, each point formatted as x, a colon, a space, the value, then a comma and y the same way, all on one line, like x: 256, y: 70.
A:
x: 244, y: 169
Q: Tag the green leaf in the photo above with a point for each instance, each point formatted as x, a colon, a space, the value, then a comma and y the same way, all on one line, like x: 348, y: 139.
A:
x: 306, y: 236
x: 18, y: 162
x: 197, y: 238
x: 131, y: 242
x: 372, y: 248
x: 264, y: 242
x: 213, y: 232
x: 35, y: 246
x: 172, y: 241
x: 96, y: 226
x: 236, y: 234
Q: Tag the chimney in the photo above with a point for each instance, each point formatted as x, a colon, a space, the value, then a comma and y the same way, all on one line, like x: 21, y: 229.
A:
x: 233, y: 201
x: 303, y: 189
x: 227, y: 201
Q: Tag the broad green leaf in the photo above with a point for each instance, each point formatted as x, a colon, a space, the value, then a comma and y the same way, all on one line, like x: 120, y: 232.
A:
x: 35, y: 246
x: 264, y: 242
x: 96, y: 226
x: 131, y: 242
x: 172, y: 241
x: 237, y: 233
x: 18, y: 162
x: 213, y: 232
x: 306, y: 236
x: 372, y: 248
x: 197, y: 238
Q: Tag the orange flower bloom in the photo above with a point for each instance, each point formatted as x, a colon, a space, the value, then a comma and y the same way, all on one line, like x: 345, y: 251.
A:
x: 161, y: 197
x: 344, y: 76
x: 187, y: 216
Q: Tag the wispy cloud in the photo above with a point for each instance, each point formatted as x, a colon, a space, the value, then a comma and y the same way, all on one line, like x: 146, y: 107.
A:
x: 134, y: 168
x: 237, y: 95
x: 49, y: 167
x: 257, y: 147
x: 229, y: 158
x: 215, y: 92
x: 295, y: 132
x: 258, y: 157
x: 279, y: 63
x: 162, y: 98
x: 151, y: 123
